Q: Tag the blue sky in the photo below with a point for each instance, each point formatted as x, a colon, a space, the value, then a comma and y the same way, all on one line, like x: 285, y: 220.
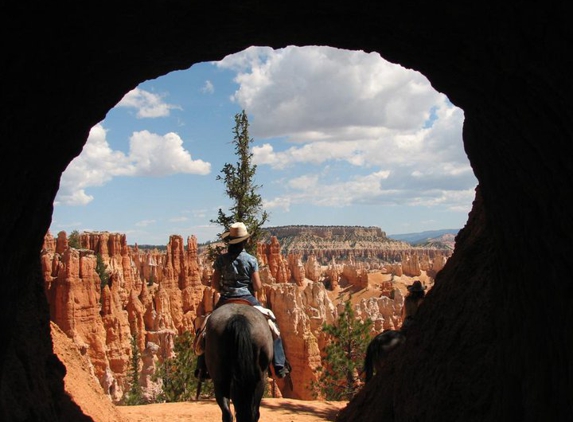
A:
x: 340, y: 138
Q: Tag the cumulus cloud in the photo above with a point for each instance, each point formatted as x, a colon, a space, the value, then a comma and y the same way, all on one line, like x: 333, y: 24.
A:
x: 320, y: 105
x: 162, y: 155
x: 149, y: 155
x: 377, y: 188
x: 147, y: 104
x: 298, y: 90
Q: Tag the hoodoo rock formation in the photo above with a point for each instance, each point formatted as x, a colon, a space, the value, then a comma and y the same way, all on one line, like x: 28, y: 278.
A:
x: 490, y: 346
x: 102, y: 317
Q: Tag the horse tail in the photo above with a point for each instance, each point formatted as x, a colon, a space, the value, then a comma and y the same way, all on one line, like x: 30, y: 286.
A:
x: 244, y: 370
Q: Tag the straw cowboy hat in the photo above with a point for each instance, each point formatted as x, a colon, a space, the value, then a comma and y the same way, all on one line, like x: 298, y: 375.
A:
x: 416, y: 287
x: 236, y: 234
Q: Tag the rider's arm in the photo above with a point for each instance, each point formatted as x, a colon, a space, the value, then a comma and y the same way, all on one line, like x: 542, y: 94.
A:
x: 216, y: 280
x: 256, y: 279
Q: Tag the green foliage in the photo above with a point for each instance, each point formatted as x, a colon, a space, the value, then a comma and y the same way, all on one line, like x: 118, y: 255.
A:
x: 340, y: 375
x: 177, y: 373
x: 101, y: 270
x: 135, y: 394
x: 241, y: 188
x: 74, y: 240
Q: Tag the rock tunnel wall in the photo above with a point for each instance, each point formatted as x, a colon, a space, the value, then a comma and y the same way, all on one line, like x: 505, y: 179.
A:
x: 495, y: 342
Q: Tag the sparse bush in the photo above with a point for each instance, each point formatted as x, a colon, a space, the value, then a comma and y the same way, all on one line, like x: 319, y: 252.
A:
x: 74, y: 240
x: 177, y: 373
x: 101, y: 270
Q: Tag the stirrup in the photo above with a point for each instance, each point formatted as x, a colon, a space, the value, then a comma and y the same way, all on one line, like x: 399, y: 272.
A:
x: 201, y: 371
x: 202, y: 374
x: 283, y: 371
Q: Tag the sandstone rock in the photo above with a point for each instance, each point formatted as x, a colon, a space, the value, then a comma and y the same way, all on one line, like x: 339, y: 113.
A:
x: 156, y: 296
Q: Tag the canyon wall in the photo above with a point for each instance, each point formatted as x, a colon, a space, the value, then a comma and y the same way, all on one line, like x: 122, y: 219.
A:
x: 154, y: 296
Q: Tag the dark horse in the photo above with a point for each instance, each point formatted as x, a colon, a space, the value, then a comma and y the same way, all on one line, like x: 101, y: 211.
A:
x: 238, y: 350
x: 379, y: 348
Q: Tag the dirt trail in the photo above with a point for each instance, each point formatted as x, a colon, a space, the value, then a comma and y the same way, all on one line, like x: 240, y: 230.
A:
x: 272, y: 410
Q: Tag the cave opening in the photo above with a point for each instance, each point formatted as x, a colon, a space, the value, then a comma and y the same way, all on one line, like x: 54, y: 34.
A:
x: 389, y: 127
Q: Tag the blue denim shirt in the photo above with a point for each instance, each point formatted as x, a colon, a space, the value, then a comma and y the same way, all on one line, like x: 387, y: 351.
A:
x: 236, y: 273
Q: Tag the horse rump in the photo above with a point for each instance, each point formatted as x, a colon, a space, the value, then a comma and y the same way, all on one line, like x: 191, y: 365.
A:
x: 238, y: 350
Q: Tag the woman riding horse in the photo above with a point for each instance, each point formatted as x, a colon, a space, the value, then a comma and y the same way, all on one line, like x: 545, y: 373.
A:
x: 236, y: 277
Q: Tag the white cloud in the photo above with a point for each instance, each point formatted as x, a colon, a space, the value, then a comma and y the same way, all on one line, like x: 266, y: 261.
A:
x: 301, y: 89
x: 305, y: 182
x: 178, y: 219
x: 145, y: 223
x: 149, y: 155
x: 375, y: 188
x: 338, y: 106
x: 277, y: 203
x: 147, y: 104
x: 208, y: 88
x: 162, y: 155
x: 73, y: 197
x: 201, y: 213
x: 320, y: 190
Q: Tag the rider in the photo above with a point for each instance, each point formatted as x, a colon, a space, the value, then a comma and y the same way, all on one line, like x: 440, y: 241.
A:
x: 236, y: 276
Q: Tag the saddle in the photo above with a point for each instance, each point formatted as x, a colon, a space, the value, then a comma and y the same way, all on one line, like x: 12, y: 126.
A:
x: 200, y: 330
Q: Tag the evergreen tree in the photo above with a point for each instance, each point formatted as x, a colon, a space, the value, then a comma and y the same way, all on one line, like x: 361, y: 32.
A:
x: 340, y: 376
x: 135, y: 394
x: 74, y: 240
x: 101, y: 270
x: 177, y: 373
x: 241, y: 188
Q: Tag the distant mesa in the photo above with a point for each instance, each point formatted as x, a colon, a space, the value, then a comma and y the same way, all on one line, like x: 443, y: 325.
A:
x: 430, y: 236
x: 342, y: 241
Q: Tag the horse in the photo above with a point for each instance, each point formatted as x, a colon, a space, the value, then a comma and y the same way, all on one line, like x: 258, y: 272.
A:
x: 379, y: 348
x: 238, y: 351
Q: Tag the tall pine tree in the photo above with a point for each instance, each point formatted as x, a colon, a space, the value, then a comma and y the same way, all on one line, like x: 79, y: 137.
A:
x: 239, y: 180
x: 340, y: 374
x: 135, y: 394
